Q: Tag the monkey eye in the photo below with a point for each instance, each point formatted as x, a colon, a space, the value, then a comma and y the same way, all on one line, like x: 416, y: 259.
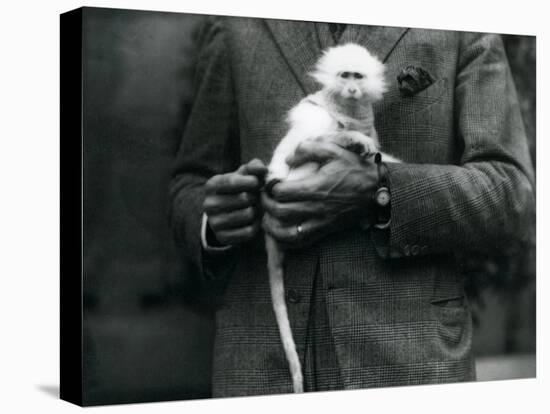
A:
x: 357, y: 75
x: 345, y: 75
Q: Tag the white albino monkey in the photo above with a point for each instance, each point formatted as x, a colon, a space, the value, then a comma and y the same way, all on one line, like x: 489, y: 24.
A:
x: 352, y: 81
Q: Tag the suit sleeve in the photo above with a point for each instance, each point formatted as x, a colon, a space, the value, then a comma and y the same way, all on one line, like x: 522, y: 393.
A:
x: 486, y: 202
x: 209, y: 146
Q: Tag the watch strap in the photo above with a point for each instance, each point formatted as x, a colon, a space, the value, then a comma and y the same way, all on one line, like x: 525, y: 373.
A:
x: 383, y: 209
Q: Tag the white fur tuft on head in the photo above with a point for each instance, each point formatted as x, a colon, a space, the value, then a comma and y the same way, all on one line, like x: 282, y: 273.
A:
x: 351, y: 57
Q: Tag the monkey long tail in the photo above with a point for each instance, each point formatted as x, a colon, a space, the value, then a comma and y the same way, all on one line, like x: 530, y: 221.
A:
x: 275, y: 262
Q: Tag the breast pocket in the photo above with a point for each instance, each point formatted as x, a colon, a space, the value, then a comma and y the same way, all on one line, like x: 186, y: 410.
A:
x: 418, y: 128
x: 405, y: 107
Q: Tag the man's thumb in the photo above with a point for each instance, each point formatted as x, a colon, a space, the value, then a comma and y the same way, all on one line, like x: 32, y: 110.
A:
x: 254, y: 167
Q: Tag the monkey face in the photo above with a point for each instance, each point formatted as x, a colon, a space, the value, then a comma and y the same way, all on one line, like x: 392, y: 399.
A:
x: 351, y: 72
x: 351, y: 85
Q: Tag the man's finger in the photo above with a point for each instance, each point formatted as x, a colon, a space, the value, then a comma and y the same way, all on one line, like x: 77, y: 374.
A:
x: 318, y: 151
x: 282, y: 233
x: 296, y: 235
x: 233, y: 219
x: 254, y: 167
x: 292, y: 211
x: 307, y: 189
x: 232, y: 183
x: 240, y: 235
x: 220, y: 203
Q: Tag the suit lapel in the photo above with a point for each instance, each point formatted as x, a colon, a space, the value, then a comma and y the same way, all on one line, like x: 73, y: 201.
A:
x: 326, y: 38
x: 299, y: 44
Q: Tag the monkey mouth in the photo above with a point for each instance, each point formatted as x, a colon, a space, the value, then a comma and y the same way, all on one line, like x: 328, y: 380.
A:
x: 353, y: 97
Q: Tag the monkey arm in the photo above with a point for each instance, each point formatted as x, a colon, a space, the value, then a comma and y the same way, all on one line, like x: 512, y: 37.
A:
x: 486, y: 203
x: 210, y: 145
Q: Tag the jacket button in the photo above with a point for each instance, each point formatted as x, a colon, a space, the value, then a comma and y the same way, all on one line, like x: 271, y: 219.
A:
x: 415, y: 250
x: 293, y: 296
x: 407, y: 250
x: 424, y: 249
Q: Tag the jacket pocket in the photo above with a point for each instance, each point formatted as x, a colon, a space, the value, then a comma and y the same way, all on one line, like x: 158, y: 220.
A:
x: 419, y: 128
x: 402, y: 108
x: 429, y: 96
x: 451, y: 314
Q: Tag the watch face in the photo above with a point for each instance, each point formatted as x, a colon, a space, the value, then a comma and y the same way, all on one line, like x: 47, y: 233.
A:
x: 382, y: 196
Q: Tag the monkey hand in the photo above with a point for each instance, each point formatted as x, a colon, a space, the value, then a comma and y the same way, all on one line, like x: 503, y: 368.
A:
x: 354, y: 141
x: 232, y: 203
x: 338, y: 196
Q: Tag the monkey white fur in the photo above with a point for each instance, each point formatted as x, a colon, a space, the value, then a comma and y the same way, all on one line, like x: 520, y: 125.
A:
x: 352, y: 80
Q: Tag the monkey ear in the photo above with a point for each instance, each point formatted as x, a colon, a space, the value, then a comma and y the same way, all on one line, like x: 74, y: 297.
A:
x: 376, y: 88
x: 322, y: 77
x: 376, y: 84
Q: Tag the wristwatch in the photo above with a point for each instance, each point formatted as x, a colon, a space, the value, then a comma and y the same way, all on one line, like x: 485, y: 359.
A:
x: 382, y: 196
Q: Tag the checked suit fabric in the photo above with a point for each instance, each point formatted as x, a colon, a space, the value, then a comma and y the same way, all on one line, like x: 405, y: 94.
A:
x: 367, y: 308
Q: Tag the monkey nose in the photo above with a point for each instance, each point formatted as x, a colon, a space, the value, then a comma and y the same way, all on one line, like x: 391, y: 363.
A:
x: 352, y: 90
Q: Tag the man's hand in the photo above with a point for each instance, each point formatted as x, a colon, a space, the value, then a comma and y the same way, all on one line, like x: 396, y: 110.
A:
x: 231, y: 203
x: 337, y: 197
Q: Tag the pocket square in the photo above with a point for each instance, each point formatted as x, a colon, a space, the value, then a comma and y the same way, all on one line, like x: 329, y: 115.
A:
x: 413, y: 79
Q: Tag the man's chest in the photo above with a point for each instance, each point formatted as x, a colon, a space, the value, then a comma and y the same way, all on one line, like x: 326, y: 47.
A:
x: 417, y: 128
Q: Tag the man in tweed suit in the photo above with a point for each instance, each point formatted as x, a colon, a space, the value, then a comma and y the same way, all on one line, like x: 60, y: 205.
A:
x: 368, y: 307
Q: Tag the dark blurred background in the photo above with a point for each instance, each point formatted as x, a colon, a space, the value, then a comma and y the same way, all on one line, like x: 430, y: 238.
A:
x: 145, y: 337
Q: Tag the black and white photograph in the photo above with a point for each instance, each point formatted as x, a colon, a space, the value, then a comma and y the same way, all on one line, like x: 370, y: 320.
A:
x: 288, y: 206
x: 280, y: 206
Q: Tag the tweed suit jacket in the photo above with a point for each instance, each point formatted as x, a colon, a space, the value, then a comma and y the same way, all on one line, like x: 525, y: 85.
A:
x: 394, y: 299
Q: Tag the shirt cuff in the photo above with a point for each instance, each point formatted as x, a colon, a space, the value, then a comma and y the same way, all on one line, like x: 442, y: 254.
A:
x: 204, y: 240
